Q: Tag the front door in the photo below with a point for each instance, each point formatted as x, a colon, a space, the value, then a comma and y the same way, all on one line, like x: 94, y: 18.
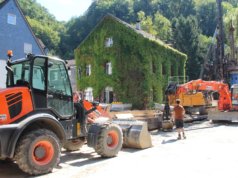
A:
x: 39, y: 82
x: 59, y: 89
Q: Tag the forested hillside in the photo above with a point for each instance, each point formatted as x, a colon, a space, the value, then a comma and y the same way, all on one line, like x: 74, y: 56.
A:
x: 186, y: 25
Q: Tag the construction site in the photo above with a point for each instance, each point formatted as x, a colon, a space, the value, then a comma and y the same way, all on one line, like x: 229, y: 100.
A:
x: 47, y: 130
x: 208, y: 151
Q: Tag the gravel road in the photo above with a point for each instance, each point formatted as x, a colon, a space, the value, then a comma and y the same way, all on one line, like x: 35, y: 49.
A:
x: 209, y: 151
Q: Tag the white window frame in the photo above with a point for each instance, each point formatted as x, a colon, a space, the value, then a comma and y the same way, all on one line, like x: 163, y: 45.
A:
x: 109, y: 42
x: 88, y: 94
x: 107, y: 94
x: 109, y: 68
x: 27, y: 48
x: 88, y: 70
x: 11, y: 19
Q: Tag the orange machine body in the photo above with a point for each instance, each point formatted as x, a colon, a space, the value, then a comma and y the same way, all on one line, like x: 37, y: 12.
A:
x: 15, y: 103
x: 96, y: 113
x: 199, y: 85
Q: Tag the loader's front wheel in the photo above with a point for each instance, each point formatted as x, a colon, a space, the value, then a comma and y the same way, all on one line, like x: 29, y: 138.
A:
x: 109, y: 141
x: 38, y: 152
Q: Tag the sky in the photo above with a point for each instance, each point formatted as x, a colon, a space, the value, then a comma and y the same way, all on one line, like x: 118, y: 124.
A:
x: 63, y: 10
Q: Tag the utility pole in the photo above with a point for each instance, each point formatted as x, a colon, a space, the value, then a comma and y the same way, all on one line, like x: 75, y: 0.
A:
x: 220, y: 43
x: 232, y: 42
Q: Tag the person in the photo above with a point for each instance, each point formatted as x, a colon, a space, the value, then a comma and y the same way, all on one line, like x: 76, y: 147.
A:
x: 178, y: 118
x: 76, y: 97
x: 80, y: 105
x: 80, y: 112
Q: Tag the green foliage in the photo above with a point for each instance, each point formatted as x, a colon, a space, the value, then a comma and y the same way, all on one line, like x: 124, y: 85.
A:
x: 206, y: 14
x: 157, y: 16
x: 176, y: 8
x: 133, y: 58
x: 231, y: 16
x: 186, y: 37
x: 162, y: 27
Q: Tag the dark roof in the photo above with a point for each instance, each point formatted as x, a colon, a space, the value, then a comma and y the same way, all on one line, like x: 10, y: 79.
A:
x: 27, y: 23
x: 3, y: 3
x: 143, y: 33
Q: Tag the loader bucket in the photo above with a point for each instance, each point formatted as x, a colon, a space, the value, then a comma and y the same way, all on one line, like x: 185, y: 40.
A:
x: 135, y: 133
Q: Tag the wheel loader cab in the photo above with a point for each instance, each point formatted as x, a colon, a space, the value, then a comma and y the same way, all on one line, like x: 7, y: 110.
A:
x: 48, y: 80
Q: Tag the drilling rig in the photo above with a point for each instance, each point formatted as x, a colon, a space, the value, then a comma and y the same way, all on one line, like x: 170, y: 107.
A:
x: 218, y: 66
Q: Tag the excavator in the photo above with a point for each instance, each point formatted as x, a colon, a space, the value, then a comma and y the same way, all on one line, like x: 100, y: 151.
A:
x: 197, y: 95
x: 38, y: 118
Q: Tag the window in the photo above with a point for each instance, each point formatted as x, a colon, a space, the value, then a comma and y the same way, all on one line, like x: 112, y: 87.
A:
x: 108, y: 95
x: 21, y: 74
x: 88, y: 70
x: 27, y: 48
x: 153, y: 67
x: 172, y: 71
x: 38, y: 78
x: 109, y: 42
x: 163, y: 69
x: 11, y: 19
x: 59, y: 88
x: 89, y: 94
x: 180, y: 71
x: 109, y: 68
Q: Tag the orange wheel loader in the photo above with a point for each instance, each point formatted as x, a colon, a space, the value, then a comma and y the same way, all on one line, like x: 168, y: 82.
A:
x: 38, y: 118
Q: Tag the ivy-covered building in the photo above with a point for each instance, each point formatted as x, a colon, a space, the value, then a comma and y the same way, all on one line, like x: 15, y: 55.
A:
x: 118, y: 62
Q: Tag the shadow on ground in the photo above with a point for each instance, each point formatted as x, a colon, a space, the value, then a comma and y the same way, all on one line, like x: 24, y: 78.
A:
x: 10, y: 170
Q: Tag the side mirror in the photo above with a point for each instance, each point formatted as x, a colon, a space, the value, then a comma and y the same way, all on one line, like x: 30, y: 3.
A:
x: 95, y: 103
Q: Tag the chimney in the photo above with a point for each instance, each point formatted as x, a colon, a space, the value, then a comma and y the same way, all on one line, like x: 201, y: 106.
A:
x: 138, y: 25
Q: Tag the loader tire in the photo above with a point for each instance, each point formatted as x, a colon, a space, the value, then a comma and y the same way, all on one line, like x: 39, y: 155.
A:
x: 38, y: 152
x: 74, y: 145
x: 109, y: 141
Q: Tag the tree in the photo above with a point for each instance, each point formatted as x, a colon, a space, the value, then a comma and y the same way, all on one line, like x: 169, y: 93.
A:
x: 186, y: 39
x: 146, y: 23
x: 172, y: 9
x: 207, y: 17
x: 163, y: 27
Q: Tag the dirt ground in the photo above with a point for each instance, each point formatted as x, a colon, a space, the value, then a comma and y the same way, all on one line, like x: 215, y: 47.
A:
x: 210, y: 150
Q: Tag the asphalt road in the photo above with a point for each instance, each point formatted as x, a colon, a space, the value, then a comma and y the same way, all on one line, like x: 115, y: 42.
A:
x: 210, y: 150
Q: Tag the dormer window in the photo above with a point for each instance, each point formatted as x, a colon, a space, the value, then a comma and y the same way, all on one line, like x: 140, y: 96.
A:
x: 11, y: 19
x: 88, y: 70
x: 27, y: 48
x: 109, y: 42
x: 109, y: 68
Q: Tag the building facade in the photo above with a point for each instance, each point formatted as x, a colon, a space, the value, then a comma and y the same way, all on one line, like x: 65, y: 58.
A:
x: 16, y: 35
x: 118, y: 62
